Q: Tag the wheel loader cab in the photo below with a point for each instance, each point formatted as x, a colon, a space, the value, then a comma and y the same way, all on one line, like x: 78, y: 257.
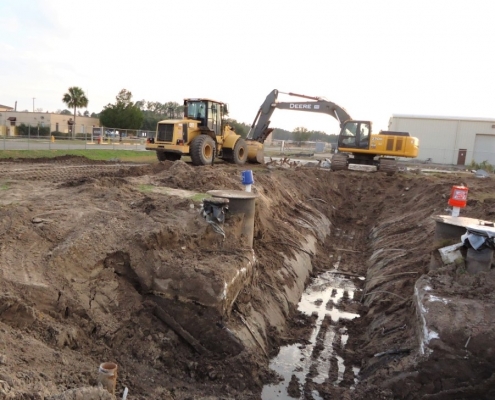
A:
x: 209, y: 113
x: 355, y: 134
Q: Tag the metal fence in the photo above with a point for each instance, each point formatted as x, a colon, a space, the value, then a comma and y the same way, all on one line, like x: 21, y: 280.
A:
x: 129, y: 139
x: 125, y: 133
x: 41, y: 137
x: 81, y: 142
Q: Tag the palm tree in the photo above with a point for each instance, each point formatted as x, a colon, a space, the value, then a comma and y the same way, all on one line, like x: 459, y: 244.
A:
x: 76, y: 98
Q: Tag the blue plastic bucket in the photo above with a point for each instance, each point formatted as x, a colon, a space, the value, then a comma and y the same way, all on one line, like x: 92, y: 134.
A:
x: 247, y: 177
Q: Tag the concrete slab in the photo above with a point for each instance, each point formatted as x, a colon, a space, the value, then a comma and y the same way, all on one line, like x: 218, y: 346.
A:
x: 450, y: 253
x: 365, y: 168
x: 449, y: 227
x: 466, y: 222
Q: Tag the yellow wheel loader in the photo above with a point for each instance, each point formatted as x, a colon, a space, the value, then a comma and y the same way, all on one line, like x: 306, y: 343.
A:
x: 356, y: 143
x: 202, y: 134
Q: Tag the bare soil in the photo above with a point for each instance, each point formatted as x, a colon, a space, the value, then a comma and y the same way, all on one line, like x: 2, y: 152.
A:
x: 85, y: 247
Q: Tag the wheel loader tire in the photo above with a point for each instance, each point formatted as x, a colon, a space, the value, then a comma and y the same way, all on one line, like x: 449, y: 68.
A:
x: 167, y: 156
x: 240, y: 152
x: 202, y: 150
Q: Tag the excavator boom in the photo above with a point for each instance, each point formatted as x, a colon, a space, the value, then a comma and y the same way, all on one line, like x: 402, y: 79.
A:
x: 260, y: 127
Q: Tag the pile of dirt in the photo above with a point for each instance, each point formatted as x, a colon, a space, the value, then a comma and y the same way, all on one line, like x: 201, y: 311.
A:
x: 81, y: 259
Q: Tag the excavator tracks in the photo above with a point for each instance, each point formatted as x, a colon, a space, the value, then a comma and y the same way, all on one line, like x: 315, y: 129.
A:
x: 387, y: 165
x: 339, y: 162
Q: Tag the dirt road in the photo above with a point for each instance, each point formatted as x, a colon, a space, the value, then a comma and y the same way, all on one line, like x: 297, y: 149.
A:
x: 110, y: 262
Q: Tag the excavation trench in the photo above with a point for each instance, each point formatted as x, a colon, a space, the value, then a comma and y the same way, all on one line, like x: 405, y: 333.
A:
x: 123, y: 268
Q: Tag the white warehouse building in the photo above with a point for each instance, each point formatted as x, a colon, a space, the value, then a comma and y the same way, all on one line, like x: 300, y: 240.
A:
x: 449, y: 140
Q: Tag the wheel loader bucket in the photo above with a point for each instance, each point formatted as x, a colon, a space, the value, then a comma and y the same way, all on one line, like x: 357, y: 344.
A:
x: 256, y: 153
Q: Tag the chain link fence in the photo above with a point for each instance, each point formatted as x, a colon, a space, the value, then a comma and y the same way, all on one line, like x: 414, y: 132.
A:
x: 41, y: 137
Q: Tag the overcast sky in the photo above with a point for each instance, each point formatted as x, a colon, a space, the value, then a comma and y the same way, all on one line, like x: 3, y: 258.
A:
x: 375, y: 58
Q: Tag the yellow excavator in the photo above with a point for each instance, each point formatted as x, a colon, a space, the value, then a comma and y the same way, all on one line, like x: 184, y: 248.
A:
x: 202, y: 134
x: 356, y: 143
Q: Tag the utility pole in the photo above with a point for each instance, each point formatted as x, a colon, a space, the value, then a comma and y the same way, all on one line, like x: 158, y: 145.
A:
x: 33, y: 103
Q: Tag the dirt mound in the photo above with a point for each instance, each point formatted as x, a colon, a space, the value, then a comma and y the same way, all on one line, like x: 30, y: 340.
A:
x: 183, y: 176
x: 112, y: 266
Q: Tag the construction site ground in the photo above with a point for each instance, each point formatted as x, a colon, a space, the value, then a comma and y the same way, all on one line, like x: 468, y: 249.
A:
x: 111, y: 262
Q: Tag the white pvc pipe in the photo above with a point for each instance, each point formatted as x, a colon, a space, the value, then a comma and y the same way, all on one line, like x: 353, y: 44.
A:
x: 247, y: 188
x: 455, y: 211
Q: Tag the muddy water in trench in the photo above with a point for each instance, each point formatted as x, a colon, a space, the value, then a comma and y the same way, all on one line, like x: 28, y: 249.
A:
x: 316, y: 360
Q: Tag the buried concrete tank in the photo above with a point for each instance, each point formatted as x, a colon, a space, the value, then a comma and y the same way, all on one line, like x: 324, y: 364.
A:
x: 448, y: 227
x: 243, y: 204
x: 475, y: 234
x: 480, y: 241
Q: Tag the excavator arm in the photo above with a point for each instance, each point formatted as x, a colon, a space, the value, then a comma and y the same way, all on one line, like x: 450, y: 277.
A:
x: 260, y: 128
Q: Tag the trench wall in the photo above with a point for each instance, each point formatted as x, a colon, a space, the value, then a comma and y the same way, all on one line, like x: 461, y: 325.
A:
x: 437, y: 324
x: 289, y: 282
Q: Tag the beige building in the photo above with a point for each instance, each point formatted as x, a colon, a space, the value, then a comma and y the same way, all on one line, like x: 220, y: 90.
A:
x: 449, y: 140
x: 5, y: 108
x: 10, y: 119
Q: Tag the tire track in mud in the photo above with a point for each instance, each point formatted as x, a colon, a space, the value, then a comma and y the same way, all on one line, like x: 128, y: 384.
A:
x: 331, y: 371
x: 348, y: 256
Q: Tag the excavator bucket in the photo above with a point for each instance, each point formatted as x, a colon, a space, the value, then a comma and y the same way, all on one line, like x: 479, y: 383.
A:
x: 256, y: 153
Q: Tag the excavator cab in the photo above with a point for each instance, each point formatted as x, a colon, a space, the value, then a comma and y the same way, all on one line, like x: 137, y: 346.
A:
x: 355, y: 135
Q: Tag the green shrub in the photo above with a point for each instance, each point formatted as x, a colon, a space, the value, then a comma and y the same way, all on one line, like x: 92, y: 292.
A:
x: 485, y: 165
x: 33, y: 131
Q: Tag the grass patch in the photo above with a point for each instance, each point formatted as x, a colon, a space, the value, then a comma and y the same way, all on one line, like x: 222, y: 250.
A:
x: 100, y: 155
x: 200, y: 197
x: 4, y: 186
x: 146, y: 188
x: 481, y: 196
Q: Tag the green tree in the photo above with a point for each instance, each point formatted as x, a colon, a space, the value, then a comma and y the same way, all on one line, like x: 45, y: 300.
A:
x: 75, y: 98
x: 154, y: 111
x: 282, y: 134
x: 301, y: 135
x: 124, y: 114
x: 239, y: 127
